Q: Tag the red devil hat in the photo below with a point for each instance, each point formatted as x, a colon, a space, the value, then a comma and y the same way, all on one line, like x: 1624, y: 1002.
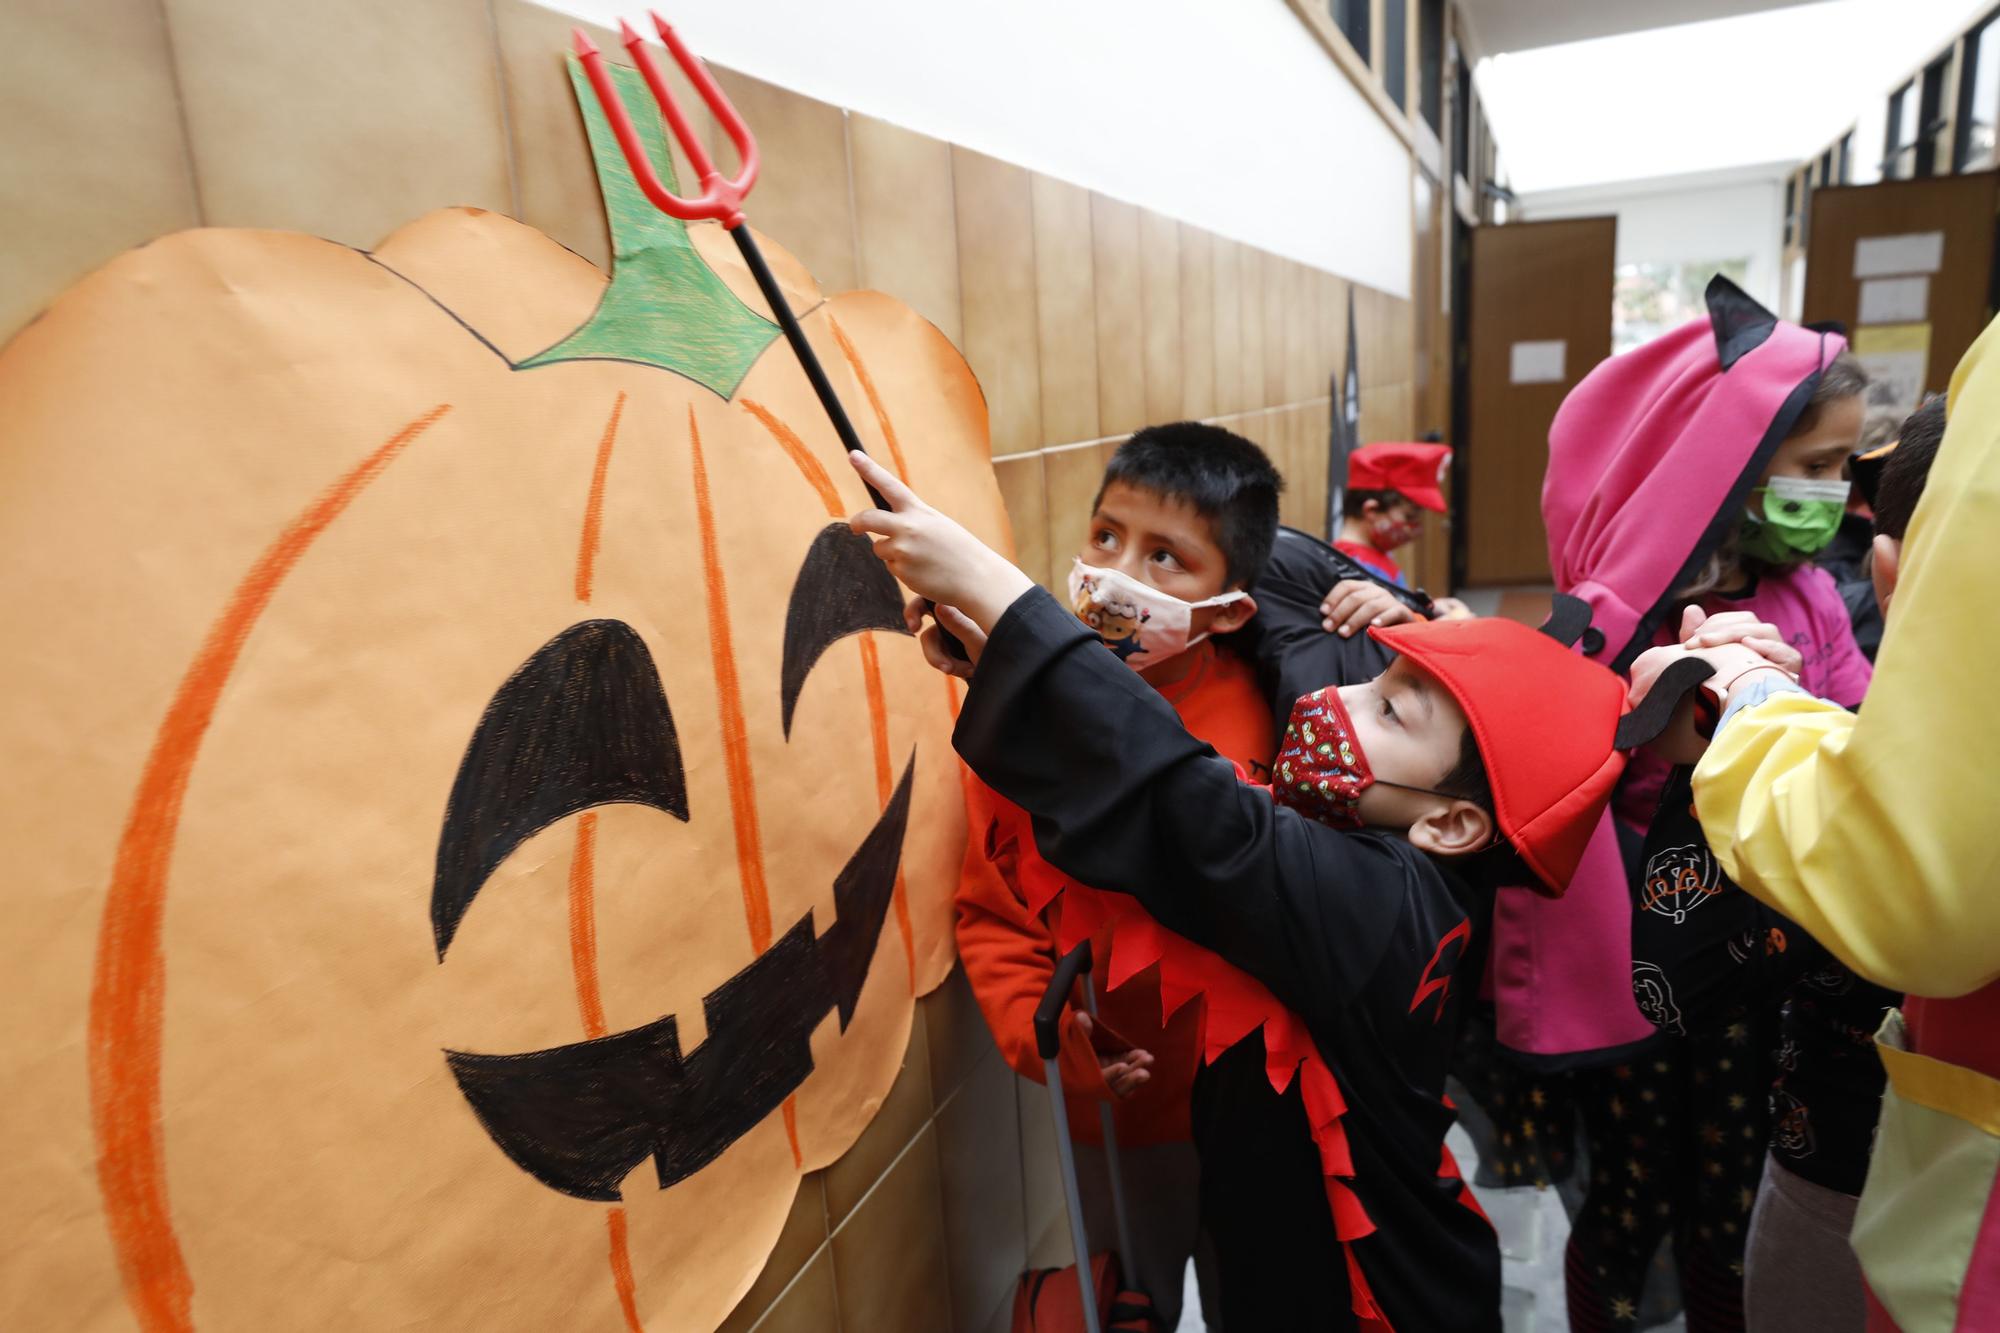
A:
x: 1412, y: 470
x: 1551, y: 725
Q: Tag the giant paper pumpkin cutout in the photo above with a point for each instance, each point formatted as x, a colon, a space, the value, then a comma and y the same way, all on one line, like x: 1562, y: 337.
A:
x: 476, y: 826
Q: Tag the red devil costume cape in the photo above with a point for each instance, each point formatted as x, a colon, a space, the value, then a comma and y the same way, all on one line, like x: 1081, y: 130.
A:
x: 1349, y: 952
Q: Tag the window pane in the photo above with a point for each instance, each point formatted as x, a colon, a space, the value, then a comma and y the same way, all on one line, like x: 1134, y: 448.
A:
x: 1395, y: 51
x: 1461, y: 117
x: 1351, y: 17
x: 1980, y: 92
x: 1430, y: 63
x: 1847, y: 158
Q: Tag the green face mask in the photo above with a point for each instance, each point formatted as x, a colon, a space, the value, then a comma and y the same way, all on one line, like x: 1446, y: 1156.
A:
x: 1791, y: 519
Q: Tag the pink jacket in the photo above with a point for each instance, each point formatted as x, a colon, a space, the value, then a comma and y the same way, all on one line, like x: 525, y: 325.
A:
x: 1651, y: 461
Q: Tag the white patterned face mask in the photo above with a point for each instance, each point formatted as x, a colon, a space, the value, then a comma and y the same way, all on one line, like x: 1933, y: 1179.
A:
x: 1137, y: 621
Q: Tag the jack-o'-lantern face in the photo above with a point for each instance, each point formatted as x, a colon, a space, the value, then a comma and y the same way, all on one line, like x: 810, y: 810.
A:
x: 458, y: 759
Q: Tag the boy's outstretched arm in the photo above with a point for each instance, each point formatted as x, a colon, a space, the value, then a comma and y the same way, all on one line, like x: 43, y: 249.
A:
x: 1123, y: 798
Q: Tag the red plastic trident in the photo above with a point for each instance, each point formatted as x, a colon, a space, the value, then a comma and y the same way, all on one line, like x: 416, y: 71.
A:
x: 720, y: 198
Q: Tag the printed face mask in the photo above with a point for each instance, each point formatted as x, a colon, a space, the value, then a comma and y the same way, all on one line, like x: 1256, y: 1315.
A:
x: 1137, y: 621
x: 1792, y: 520
x: 1321, y: 770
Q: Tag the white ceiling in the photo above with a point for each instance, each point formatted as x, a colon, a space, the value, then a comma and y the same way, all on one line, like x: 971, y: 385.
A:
x: 1771, y: 86
x: 1520, y: 25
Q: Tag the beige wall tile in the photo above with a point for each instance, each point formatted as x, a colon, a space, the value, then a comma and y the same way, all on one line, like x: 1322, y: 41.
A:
x: 1024, y: 493
x: 1304, y: 368
x: 957, y: 1033
x: 1317, y: 445
x: 996, y: 280
x: 553, y: 176
x: 1197, y: 323
x: 906, y: 227
x: 904, y: 1112
x: 889, y: 1257
x: 1160, y: 304
x: 1228, y: 315
x: 1278, y: 296
x: 1072, y: 475
x: 84, y: 177
x: 799, y: 1243
x: 1041, y: 1175
x: 811, y: 1305
x: 979, y: 1151
x: 346, y: 128
x: 1065, y: 310
x: 1250, y: 293
x: 802, y: 198
x: 1121, y: 342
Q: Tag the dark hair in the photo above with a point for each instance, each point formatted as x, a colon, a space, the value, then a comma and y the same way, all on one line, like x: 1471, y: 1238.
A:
x: 1352, y: 502
x: 1224, y: 477
x: 1467, y: 778
x: 1842, y: 378
x: 1908, y: 467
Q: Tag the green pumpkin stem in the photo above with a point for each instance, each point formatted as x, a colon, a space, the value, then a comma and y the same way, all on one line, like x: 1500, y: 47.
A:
x: 665, y: 307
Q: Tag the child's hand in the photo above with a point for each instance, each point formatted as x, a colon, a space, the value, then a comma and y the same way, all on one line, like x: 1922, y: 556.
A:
x: 1450, y: 608
x: 932, y: 555
x: 1125, y: 1072
x: 1700, y: 631
x: 949, y: 617
x: 1355, y: 604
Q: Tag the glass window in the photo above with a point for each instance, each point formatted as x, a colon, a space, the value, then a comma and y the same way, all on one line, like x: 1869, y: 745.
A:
x: 1461, y: 117
x: 1931, y: 120
x: 1396, y: 52
x: 1351, y: 17
x: 1791, y: 209
x: 1846, y: 170
x: 1899, y: 151
x: 1649, y: 299
x: 1825, y: 168
x: 1978, y: 95
x: 1430, y: 63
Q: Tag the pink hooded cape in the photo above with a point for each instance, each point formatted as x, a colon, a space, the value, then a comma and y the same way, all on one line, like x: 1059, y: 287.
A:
x: 1651, y: 461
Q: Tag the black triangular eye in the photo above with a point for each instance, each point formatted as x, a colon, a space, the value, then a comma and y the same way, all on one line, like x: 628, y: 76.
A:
x: 842, y: 589
x: 584, y: 722
x: 1741, y: 325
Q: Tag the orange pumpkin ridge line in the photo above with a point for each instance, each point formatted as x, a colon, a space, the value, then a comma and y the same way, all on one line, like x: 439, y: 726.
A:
x: 583, y: 925
x: 885, y: 787
x: 621, y: 1269
x: 128, y: 986
x: 729, y: 704
x: 593, y: 509
x: 801, y: 456
x: 860, y: 370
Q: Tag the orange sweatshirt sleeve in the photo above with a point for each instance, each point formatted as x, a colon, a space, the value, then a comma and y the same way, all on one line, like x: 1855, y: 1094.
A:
x: 1009, y: 953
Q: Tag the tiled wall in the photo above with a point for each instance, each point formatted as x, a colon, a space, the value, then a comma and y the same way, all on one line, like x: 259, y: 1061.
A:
x: 1084, y: 317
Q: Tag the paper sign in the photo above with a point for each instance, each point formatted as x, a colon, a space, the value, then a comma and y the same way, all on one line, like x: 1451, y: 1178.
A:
x: 1896, y: 357
x: 1537, y: 362
x: 1912, y: 252
x: 1895, y: 300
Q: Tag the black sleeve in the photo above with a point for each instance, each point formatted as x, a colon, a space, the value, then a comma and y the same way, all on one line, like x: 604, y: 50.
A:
x: 1294, y: 655
x: 1701, y: 947
x: 1124, y: 799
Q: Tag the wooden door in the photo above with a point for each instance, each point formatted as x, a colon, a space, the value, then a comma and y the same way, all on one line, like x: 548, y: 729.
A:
x: 1907, y: 268
x: 1539, y: 319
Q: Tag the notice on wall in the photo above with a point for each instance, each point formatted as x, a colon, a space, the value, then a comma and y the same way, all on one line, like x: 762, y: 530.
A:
x: 1895, y: 300
x: 1896, y: 357
x: 1537, y: 362
x: 1889, y: 256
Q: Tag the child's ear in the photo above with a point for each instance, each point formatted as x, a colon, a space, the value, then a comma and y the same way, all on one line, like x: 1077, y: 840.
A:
x: 1371, y: 509
x: 1459, y: 828
x: 1233, y: 615
x: 1884, y: 558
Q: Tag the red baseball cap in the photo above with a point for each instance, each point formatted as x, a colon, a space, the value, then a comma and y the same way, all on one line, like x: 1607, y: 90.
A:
x: 1414, y: 470
x: 1546, y: 723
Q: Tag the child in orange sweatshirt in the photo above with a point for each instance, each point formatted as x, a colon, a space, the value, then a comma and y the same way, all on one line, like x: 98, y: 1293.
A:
x: 1183, y: 521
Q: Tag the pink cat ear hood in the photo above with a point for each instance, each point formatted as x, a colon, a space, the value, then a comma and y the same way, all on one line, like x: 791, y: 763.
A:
x: 1653, y: 457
